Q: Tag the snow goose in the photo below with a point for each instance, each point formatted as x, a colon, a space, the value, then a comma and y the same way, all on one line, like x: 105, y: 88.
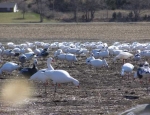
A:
x: 143, y: 71
x: 146, y: 54
x: 22, y: 59
x: 30, y: 45
x: 44, y: 53
x: 60, y: 76
x: 28, y: 71
x: 137, y: 57
x: 54, y: 45
x: 123, y: 56
x: 39, y: 76
x: 27, y: 49
x: 126, y: 68
x: 102, y: 54
x: 29, y: 55
x: 10, y: 45
x: 8, y: 52
x: 116, y: 52
x: 50, y: 67
x: 97, y: 63
x: 36, y: 50
x: 68, y: 57
x: 90, y: 58
x: 46, y: 45
x: 84, y: 52
x: 57, y: 52
x: 71, y: 57
x: 95, y: 50
x: 8, y: 67
x: 73, y: 50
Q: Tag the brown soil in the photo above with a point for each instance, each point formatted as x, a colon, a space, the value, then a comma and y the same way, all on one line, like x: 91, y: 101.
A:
x: 101, y: 92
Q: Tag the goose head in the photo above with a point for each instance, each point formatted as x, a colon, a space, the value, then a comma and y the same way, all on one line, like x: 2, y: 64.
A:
x: 35, y: 62
x: 92, y: 56
x: 50, y: 60
x: 146, y: 64
x: 88, y: 61
x: 76, y: 82
x: 105, y: 63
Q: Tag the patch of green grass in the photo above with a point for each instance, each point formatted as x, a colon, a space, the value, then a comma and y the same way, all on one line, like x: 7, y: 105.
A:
x: 18, y: 18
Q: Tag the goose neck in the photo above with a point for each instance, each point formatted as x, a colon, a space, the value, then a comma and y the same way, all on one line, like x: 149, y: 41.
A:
x: 49, y: 64
x: 75, y: 82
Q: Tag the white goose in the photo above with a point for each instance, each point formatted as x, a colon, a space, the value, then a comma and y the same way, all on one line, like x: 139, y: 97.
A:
x: 68, y: 57
x: 123, y: 56
x: 50, y: 67
x: 103, y: 54
x: 29, y: 55
x: 97, y: 63
x: 127, y: 68
x: 143, y: 72
x: 60, y: 76
x: 39, y: 76
x: 36, y: 50
x: 8, y: 67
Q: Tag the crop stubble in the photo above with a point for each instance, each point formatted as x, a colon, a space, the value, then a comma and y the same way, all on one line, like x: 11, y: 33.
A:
x: 100, y: 92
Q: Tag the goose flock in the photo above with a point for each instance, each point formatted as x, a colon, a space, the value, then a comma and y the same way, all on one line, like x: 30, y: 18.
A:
x: 96, y: 54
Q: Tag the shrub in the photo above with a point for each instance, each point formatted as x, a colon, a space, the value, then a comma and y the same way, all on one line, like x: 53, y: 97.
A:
x: 145, y: 17
x: 119, y: 15
x: 130, y: 15
x: 114, y: 15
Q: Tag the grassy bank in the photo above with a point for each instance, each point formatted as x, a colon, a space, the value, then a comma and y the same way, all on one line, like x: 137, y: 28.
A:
x: 18, y: 18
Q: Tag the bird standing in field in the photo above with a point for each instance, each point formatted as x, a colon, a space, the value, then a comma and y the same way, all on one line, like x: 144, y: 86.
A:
x: 22, y: 59
x: 127, y: 68
x: 123, y: 56
x: 29, y: 71
x: 60, y: 76
x: 8, y: 67
x: 39, y: 76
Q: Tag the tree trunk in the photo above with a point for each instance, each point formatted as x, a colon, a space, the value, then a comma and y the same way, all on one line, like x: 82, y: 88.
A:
x: 107, y: 14
x: 92, y: 15
x: 39, y: 5
x: 75, y: 15
x: 86, y: 15
x: 76, y: 10
x: 23, y: 15
x: 41, y: 17
x: 136, y: 15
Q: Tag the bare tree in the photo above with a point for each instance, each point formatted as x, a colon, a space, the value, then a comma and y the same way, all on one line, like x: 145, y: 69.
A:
x: 23, y: 6
x: 136, y: 6
x: 51, y: 6
x: 89, y: 7
x: 75, y: 7
x: 40, y: 9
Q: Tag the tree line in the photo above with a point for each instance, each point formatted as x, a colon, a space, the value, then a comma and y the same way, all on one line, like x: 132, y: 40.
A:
x: 86, y: 8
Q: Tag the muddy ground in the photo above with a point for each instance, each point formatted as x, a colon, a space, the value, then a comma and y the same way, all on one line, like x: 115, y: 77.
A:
x: 101, y: 92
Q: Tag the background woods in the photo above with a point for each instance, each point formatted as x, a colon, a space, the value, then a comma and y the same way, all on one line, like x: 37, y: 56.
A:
x: 85, y: 10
